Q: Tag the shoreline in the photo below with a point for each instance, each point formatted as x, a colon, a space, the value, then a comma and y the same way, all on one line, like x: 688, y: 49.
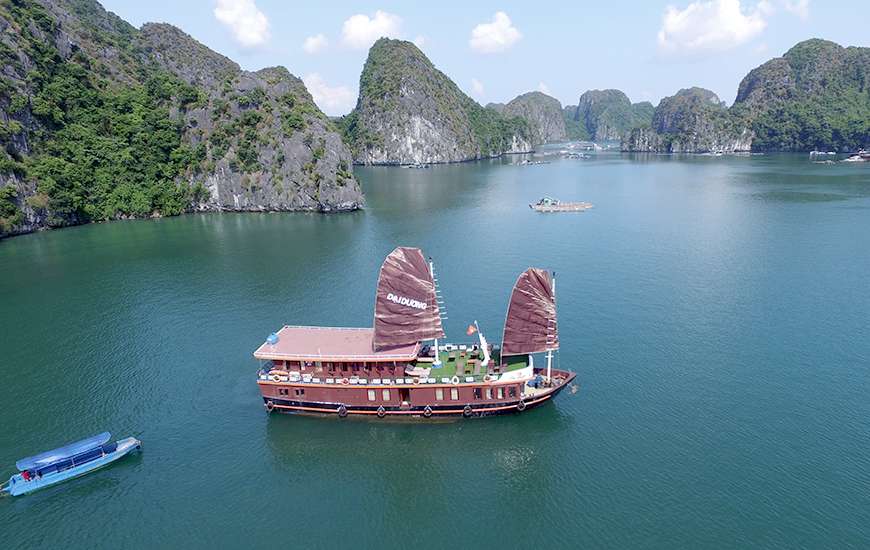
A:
x: 44, y: 228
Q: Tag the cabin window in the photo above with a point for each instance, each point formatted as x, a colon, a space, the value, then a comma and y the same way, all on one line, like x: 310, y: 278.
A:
x: 300, y: 391
x: 477, y: 393
x: 283, y: 391
x: 386, y: 395
x: 512, y: 391
x: 500, y: 393
x: 318, y: 367
x: 371, y: 395
x: 439, y: 394
x: 489, y: 393
x: 454, y: 394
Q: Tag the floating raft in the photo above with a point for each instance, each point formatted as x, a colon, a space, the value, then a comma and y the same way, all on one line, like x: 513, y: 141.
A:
x: 548, y: 204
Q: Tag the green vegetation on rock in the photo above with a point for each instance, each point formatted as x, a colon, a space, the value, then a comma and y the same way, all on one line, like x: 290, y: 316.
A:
x: 816, y: 96
x: 99, y: 121
x: 692, y: 120
x: 608, y: 115
x: 542, y: 113
x: 100, y: 151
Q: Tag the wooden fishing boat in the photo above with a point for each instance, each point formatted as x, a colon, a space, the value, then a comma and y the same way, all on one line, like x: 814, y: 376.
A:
x: 388, y: 371
x: 549, y: 204
x: 67, y: 462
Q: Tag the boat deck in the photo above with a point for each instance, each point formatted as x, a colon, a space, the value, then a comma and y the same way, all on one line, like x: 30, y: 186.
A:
x: 464, y: 364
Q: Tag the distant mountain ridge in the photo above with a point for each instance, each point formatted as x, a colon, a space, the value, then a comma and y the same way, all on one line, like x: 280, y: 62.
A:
x: 410, y: 112
x: 100, y: 120
x: 815, y: 97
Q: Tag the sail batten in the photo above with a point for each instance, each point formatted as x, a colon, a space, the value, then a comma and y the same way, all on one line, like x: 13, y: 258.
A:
x: 530, y: 325
x: 406, y: 304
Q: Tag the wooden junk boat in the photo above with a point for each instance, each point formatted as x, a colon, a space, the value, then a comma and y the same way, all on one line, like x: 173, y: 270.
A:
x: 549, y: 204
x: 388, y: 371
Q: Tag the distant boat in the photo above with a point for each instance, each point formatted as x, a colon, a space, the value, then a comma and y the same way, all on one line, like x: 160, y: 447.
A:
x: 72, y: 460
x: 860, y: 156
x: 549, y: 204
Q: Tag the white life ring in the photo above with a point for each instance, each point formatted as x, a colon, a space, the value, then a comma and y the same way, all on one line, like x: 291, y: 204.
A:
x: 454, y: 380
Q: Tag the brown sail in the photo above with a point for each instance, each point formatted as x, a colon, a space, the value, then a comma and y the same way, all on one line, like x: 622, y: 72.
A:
x: 406, y: 309
x: 530, y: 326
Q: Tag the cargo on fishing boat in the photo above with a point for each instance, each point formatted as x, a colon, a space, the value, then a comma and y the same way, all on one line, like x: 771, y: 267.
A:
x: 67, y: 462
x: 549, y: 204
x: 402, y: 368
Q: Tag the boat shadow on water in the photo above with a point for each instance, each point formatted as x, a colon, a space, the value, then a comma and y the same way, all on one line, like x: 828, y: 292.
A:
x: 284, y: 431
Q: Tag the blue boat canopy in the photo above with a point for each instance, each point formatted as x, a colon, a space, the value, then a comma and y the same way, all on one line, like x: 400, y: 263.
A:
x: 50, y: 457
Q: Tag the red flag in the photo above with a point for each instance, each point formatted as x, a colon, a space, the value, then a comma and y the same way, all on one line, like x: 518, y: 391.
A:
x: 471, y: 330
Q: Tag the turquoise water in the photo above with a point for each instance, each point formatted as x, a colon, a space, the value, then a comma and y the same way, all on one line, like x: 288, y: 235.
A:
x: 715, y: 309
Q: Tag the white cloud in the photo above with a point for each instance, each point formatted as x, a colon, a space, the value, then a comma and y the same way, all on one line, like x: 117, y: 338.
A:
x: 477, y: 87
x: 543, y: 88
x: 801, y: 8
x: 496, y: 36
x: 332, y: 100
x: 250, y: 26
x: 710, y: 26
x: 315, y: 44
x: 360, y: 31
x: 420, y: 41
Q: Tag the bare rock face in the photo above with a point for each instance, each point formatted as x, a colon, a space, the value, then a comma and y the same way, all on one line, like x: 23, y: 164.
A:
x: 409, y: 112
x: 543, y: 114
x: 201, y: 133
x: 270, y: 147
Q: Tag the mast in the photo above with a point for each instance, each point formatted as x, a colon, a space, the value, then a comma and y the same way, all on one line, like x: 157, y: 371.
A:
x: 551, y: 333
x: 483, y: 345
x: 437, y: 363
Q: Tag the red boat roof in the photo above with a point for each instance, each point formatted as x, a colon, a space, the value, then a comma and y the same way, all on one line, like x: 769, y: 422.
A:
x: 331, y: 344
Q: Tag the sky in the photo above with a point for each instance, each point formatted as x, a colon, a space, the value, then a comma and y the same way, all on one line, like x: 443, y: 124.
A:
x: 496, y: 50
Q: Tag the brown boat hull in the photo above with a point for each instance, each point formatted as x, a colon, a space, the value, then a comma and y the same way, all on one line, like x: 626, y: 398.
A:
x: 417, y: 409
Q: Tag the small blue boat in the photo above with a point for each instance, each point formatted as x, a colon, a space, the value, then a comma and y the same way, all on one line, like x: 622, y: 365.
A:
x: 67, y: 462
